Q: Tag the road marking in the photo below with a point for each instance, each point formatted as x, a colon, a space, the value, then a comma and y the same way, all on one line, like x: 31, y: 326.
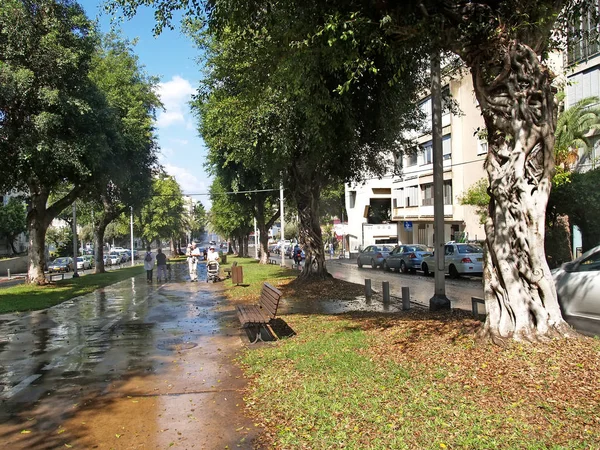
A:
x: 22, y: 385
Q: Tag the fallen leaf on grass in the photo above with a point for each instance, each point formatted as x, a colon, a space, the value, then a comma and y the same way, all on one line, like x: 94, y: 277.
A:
x: 25, y: 431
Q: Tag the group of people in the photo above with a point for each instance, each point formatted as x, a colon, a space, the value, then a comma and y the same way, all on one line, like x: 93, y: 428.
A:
x: 194, y: 256
x: 161, y: 263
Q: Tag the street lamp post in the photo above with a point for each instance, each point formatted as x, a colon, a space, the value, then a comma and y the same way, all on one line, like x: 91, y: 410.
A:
x: 131, y: 229
x: 75, y: 274
x: 282, y: 224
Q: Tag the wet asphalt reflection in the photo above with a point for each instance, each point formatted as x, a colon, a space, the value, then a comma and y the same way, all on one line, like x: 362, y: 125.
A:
x: 76, y: 373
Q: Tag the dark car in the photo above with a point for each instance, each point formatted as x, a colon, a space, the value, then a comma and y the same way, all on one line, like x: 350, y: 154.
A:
x: 406, y: 257
x: 64, y: 264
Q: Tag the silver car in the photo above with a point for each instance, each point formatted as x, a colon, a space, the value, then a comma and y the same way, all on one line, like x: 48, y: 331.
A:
x: 578, y: 287
x: 459, y: 259
x: 374, y: 255
x: 406, y: 257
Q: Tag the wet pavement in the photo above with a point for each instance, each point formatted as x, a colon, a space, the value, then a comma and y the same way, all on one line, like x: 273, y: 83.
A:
x: 132, y: 365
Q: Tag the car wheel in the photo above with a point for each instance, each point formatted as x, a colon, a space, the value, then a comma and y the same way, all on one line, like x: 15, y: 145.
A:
x: 359, y: 263
x: 385, y: 266
x: 403, y: 267
x: 453, y: 272
x: 425, y: 269
x: 373, y: 264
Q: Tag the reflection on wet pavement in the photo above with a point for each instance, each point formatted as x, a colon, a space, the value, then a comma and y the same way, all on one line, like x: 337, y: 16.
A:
x: 130, y: 365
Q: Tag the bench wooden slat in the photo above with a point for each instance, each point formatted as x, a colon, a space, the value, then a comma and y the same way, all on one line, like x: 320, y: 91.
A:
x: 262, y: 313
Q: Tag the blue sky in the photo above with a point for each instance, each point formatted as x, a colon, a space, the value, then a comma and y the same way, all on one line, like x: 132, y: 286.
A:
x: 171, y: 57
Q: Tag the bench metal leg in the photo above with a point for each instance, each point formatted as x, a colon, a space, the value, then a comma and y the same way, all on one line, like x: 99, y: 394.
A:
x: 258, y: 334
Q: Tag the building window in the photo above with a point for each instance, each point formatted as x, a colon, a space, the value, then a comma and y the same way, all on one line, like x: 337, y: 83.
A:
x: 427, y: 194
x: 447, y: 147
x: 482, y: 146
x: 412, y: 196
x: 448, y: 192
x: 584, y: 44
x: 352, y: 199
x: 427, y: 151
x: 399, y: 200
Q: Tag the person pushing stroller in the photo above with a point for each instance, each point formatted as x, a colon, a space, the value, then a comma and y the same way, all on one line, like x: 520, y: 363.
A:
x: 212, y: 264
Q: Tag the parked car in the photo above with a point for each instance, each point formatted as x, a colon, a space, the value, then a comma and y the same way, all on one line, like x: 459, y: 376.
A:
x: 578, y: 288
x: 406, y: 257
x: 374, y: 255
x: 64, y: 264
x: 107, y: 260
x: 82, y: 263
x: 459, y: 259
x: 115, y: 258
x: 90, y: 259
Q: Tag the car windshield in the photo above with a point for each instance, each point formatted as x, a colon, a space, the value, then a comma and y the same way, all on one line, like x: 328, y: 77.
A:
x: 468, y: 248
x: 79, y: 259
x: 60, y: 261
x: 419, y: 248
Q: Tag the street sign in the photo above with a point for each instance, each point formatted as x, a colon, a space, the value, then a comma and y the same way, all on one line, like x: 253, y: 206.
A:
x: 408, y: 225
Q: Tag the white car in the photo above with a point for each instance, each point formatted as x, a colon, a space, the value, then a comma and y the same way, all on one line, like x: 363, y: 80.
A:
x: 115, y: 258
x: 459, y: 259
x: 578, y: 288
x: 83, y: 264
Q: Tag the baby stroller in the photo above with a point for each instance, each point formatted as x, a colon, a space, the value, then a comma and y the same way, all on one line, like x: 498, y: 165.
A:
x: 212, y: 271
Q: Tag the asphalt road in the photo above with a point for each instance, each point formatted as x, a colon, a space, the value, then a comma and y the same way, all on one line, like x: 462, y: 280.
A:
x: 422, y: 287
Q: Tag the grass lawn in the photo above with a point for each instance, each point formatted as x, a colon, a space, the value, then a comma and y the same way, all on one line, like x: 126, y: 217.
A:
x: 415, y: 380
x: 28, y: 298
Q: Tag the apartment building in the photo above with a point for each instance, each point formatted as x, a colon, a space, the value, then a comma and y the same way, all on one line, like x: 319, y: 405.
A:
x: 582, y: 73
x: 409, y: 197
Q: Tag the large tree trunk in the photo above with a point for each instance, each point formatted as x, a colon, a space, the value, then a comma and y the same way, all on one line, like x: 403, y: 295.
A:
x: 37, y: 225
x: 309, y: 229
x: 39, y: 219
x: 99, y: 244
x: 517, y: 101
x: 263, y: 228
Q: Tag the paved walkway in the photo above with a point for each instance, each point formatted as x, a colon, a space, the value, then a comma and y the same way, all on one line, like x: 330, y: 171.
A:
x: 129, y: 366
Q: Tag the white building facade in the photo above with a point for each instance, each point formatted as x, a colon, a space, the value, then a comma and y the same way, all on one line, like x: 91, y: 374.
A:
x: 410, y: 195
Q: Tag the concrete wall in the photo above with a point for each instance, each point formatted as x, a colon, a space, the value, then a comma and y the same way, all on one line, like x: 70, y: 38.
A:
x: 16, y: 265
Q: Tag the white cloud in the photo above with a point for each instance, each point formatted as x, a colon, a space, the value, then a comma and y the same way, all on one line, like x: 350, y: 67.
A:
x: 174, y: 95
x: 190, y: 183
x: 180, y: 141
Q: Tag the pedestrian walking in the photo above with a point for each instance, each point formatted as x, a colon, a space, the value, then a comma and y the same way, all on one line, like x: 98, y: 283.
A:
x: 330, y: 250
x: 161, y: 264
x: 149, y: 260
x: 192, y: 259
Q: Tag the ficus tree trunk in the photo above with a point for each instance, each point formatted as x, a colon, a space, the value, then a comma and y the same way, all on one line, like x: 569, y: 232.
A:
x: 309, y: 228
x: 263, y: 225
x: 39, y: 218
x: 99, y: 246
x: 517, y: 102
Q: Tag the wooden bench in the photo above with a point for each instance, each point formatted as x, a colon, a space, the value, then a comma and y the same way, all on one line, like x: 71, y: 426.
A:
x: 260, y: 316
x: 228, y: 269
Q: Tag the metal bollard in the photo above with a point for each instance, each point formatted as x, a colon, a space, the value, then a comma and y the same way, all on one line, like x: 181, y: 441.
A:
x: 405, y: 298
x: 385, y: 285
x: 8, y: 272
x: 368, y: 291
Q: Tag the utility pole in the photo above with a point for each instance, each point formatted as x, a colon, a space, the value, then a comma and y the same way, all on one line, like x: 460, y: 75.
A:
x: 75, y: 274
x: 282, y: 224
x: 439, y: 300
x: 131, y: 230
x: 255, y: 241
